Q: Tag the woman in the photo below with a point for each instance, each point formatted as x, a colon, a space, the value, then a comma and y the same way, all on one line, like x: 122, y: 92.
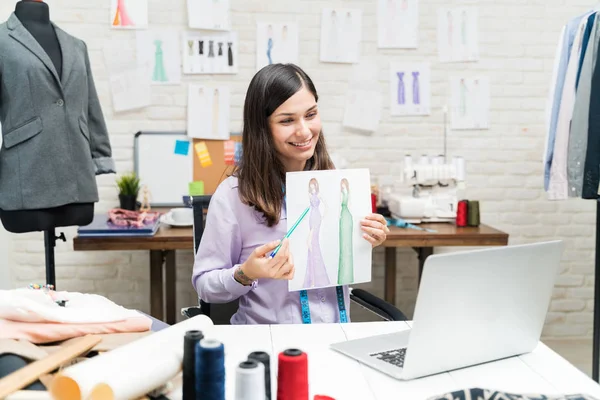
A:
x: 247, y: 216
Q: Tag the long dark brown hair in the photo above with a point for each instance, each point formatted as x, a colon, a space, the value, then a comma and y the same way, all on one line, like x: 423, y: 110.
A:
x: 261, y: 175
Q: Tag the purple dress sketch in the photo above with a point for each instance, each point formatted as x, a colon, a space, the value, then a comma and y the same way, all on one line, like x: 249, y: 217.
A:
x: 270, y: 44
x: 415, y: 88
x: 316, y: 272
x: 401, y: 99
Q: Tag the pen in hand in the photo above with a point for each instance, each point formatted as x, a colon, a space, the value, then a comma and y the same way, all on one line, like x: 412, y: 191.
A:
x: 287, y: 235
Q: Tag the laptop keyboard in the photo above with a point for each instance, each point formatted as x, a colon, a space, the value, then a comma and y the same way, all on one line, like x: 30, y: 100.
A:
x: 394, y: 357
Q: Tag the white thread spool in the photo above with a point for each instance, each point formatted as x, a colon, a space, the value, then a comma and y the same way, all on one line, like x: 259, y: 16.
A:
x: 459, y: 164
x: 250, y: 381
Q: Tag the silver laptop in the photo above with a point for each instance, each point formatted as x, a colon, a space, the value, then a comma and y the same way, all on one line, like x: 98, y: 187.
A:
x: 472, y: 307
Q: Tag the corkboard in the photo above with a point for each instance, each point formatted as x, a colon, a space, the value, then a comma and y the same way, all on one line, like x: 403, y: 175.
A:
x: 212, y: 176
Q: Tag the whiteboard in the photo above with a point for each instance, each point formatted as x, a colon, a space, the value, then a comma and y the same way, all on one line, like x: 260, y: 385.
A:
x: 166, y: 171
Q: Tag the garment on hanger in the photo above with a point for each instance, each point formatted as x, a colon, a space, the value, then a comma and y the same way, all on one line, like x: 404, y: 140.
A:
x: 572, y: 147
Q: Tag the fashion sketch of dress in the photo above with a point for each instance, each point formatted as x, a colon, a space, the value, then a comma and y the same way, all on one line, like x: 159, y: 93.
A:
x: 401, y: 95
x: 450, y: 28
x: 463, y: 98
x: 415, y: 88
x: 463, y: 28
x: 121, y: 16
x: 270, y: 44
x: 346, y: 259
x: 229, y: 54
x: 159, y: 75
x: 316, y: 273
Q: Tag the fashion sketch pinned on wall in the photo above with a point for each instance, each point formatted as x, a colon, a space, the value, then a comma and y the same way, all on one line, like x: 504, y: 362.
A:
x: 470, y: 100
x: 327, y: 245
x: 208, y: 112
x: 341, y: 34
x: 397, y: 24
x: 363, y: 110
x: 159, y: 52
x: 130, y: 89
x: 276, y: 42
x: 209, y: 14
x: 129, y: 14
x: 410, y: 89
x: 457, y: 34
x: 214, y: 53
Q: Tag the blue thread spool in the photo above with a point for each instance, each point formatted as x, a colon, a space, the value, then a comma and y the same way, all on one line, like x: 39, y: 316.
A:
x: 210, y: 370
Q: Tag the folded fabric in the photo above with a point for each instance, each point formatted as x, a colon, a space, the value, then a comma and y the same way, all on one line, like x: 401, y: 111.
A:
x: 28, y: 305
x: 48, y: 332
x: 485, y: 394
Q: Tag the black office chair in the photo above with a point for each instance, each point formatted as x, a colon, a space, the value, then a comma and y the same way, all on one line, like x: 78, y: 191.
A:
x: 221, y: 314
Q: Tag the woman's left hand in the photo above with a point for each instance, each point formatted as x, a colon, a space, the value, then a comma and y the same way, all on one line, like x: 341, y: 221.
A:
x: 375, y: 229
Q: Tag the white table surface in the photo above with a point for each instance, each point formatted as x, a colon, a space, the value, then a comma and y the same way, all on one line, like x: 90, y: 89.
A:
x: 333, y: 374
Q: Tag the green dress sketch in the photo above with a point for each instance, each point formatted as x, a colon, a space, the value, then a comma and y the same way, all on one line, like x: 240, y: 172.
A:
x: 346, y: 261
x: 159, y: 68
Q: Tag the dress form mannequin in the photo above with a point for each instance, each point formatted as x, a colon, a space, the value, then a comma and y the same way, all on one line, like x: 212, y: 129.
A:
x: 34, y: 15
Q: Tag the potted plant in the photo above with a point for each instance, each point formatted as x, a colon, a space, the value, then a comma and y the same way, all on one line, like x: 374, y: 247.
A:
x: 129, y: 187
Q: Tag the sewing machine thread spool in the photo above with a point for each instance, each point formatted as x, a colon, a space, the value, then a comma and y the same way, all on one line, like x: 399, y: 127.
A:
x: 462, y: 213
x: 473, y: 213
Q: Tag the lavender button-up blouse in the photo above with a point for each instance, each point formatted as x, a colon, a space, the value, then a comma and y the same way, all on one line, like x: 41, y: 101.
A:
x: 233, y: 230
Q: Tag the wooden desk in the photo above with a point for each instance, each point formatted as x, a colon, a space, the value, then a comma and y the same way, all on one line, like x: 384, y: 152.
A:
x: 423, y: 243
x: 162, y: 248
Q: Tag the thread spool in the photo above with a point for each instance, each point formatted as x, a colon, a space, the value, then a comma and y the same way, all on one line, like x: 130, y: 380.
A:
x: 322, y: 397
x: 473, y: 213
x: 210, y: 370
x: 249, y: 381
x: 190, y: 341
x: 292, y: 376
x: 462, y: 213
x: 265, y: 360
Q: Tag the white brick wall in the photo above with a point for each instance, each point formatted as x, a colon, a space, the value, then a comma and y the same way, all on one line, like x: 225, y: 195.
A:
x: 517, y: 43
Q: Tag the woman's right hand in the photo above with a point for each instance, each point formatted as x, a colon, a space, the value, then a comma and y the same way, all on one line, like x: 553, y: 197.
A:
x: 259, y: 265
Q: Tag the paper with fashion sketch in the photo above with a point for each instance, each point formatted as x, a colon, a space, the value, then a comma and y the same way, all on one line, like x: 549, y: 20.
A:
x: 410, y: 89
x: 341, y: 34
x: 327, y: 246
x: 208, y: 112
x: 363, y: 110
x: 159, y: 52
x: 129, y: 14
x: 470, y: 102
x: 397, y: 24
x: 457, y: 34
x: 209, y: 14
x: 130, y: 89
x: 210, y: 53
x: 276, y: 42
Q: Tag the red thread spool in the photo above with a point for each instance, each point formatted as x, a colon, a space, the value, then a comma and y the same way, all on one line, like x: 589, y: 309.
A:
x: 462, y: 213
x: 322, y: 397
x: 292, y: 375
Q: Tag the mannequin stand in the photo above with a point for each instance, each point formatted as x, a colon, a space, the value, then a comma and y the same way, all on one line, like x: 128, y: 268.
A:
x: 49, y: 244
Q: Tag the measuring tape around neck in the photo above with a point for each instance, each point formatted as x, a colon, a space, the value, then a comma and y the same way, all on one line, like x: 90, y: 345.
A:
x: 339, y: 290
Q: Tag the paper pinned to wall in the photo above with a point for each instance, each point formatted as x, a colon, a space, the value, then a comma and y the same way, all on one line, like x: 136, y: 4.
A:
x: 229, y: 152
x: 457, y: 34
x: 209, y: 14
x: 363, y: 110
x: 327, y: 245
x: 210, y: 53
x: 130, y: 89
x: 397, y: 24
x: 341, y: 35
x: 410, y: 89
x: 129, y: 14
x: 276, y: 42
x: 203, y: 154
x: 470, y: 102
x: 159, y: 52
x: 208, y: 112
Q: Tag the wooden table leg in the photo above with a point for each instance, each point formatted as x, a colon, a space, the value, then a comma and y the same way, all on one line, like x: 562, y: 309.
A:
x: 156, y: 284
x: 389, y: 275
x: 422, y: 254
x: 170, y: 278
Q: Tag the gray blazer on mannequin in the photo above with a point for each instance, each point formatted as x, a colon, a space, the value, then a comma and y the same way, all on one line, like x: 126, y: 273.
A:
x: 54, y: 136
